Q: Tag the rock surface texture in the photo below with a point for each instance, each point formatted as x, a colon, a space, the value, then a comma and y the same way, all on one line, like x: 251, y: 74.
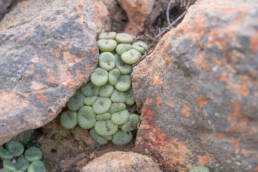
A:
x: 47, y: 51
x: 4, y: 5
x: 137, y: 12
x: 198, y: 90
x: 122, y: 161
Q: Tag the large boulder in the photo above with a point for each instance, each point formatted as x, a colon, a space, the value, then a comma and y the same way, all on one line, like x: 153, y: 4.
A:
x: 47, y: 51
x: 198, y: 90
x: 122, y: 161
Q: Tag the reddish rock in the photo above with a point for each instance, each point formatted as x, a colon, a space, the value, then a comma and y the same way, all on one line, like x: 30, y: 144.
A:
x: 137, y: 12
x: 198, y: 90
x: 47, y: 51
x: 122, y: 161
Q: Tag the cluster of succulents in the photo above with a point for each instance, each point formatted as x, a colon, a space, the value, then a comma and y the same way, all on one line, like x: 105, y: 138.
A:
x: 101, y: 105
x: 16, y: 159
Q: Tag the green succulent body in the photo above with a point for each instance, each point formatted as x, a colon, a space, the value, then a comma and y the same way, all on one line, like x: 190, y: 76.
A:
x: 107, y: 45
x: 37, y: 166
x: 108, y: 92
x: 4, y: 170
x: 107, y: 35
x: 5, y: 154
x: 99, y: 139
x: 15, y: 148
x: 99, y: 77
x: 68, y: 119
x: 122, y: 138
x: 76, y: 102
x: 199, y: 169
x: 103, y: 117
x: 33, y: 154
x: 86, y: 117
x: 120, y: 118
x: 113, y: 76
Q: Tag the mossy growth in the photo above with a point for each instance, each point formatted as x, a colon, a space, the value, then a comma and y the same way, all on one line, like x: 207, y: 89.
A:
x: 16, y: 158
x: 103, y: 110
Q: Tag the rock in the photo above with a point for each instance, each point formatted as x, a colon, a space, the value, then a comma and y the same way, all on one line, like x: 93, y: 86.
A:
x: 137, y: 12
x: 4, y: 5
x: 47, y: 51
x: 122, y: 161
x: 198, y: 90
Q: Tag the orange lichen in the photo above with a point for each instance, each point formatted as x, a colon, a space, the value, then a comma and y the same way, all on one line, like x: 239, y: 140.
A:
x: 221, y: 135
x: 158, y: 101
x: 35, y: 86
x: 80, y: 11
x: 201, y: 102
x: 201, y: 61
x: 157, y: 80
x: 42, y: 98
x: 170, y: 103
x: 148, y: 101
x: 235, y: 143
x: 185, y: 111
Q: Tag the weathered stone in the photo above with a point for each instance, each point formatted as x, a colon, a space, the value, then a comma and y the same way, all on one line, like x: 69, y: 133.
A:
x: 47, y: 51
x: 4, y: 5
x: 137, y: 12
x: 198, y: 90
x: 122, y: 161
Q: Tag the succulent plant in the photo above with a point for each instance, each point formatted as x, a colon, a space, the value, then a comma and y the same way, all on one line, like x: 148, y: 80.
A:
x: 103, y: 117
x: 199, y: 169
x: 124, y: 83
x: 122, y: 137
x: 106, y: 128
x: 131, y: 57
x: 9, y: 165
x: 99, y: 77
x: 113, y: 76
x: 140, y: 46
x: 33, y: 154
x: 90, y: 90
x: 123, y: 68
x: 106, y: 45
x: 124, y: 38
x: 101, y: 105
x: 107, y: 61
x: 99, y: 139
x: 90, y: 100
x: 21, y: 164
x: 4, y: 170
x: 108, y: 92
x: 5, y: 154
x: 132, y: 123
x: 129, y: 98
x: 76, y: 102
x: 120, y: 118
x: 117, y: 107
x: 118, y: 97
x: 121, y: 48
x: 68, y: 119
x: 107, y: 35
x: 37, y: 166
x: 86, y: 117
x: 15, y: 148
